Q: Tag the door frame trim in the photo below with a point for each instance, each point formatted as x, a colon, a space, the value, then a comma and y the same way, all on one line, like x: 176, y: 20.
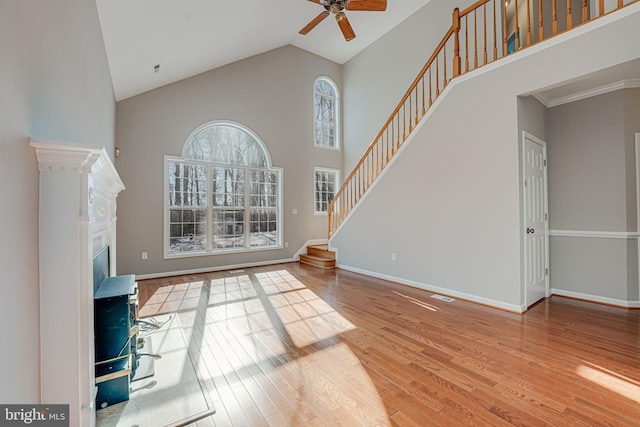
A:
x: 637, y: 153
x: 547, y: 291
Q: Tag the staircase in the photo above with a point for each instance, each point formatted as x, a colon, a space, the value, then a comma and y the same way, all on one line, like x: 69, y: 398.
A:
x: 319, y: 256
x: 476, y: 38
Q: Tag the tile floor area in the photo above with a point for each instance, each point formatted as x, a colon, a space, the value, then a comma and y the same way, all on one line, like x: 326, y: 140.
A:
x: 172, y: 396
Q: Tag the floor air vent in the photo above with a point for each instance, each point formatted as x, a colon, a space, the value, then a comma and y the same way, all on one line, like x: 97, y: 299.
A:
x: 442, y: 298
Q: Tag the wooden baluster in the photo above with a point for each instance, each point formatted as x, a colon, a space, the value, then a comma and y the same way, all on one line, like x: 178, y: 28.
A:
x: 466, y: 43
x: 411, y: 122
x: 584, y: 11
x: 601, y: 8
x: 528, y: 23
x: 393, y: 136
x: 554, y: 25
x: 354, y: 196
x: 437, y: 78
x: 495, y: 33
x: 475, y: 40
x: 410, y: 113
x: 569, y: 16
x: 541, y: 28
x: 386, y: 150
x: 517, y: 28
x: 484, y: 14
x: 417, y: 98
x: 504, y: 32
x: 424, y: 110
x: 444, y: 62
x: 398, y: 138
x: 430, y: 89
x: 620, y: 4
x: 379, y: 156
x: 404, y: 122
x: 456, y: 42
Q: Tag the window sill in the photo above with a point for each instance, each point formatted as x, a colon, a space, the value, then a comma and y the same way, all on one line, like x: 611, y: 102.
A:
x: 221, y: 252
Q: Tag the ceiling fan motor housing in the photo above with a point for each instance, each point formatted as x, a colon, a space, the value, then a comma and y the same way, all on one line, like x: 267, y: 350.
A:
x: 334, y: 6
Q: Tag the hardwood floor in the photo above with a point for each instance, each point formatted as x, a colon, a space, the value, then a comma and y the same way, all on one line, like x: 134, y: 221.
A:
x: 291, y: 345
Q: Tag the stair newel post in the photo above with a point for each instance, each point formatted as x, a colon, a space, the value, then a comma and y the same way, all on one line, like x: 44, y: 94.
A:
x: 456, y: 42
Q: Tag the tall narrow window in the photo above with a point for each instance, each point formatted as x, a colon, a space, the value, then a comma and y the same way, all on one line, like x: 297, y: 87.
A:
x: 326, y: 185
x: 222, y: 194
x: 325, y: 110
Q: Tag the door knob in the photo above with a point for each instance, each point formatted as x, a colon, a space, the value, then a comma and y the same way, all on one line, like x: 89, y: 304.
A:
x: 530, y: 230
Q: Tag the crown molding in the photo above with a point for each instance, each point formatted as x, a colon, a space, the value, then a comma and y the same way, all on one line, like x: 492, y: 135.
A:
x: 600, y: 90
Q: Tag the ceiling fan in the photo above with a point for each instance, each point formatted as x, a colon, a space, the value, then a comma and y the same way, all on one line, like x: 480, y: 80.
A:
x: 336, y: 7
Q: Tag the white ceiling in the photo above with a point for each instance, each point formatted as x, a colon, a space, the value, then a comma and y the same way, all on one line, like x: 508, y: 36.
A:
x: 188, y: 37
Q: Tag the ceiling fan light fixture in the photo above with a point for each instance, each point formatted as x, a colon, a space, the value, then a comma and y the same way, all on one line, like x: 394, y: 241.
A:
x: 336, y: 7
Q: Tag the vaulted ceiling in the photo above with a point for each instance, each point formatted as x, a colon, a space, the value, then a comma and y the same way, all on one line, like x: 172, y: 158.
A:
x: 188, y: 37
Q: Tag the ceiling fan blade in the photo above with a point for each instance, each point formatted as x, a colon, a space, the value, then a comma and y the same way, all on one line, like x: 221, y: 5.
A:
x: 315, y: 21
x: 371, y: 5
x: 345, y: 26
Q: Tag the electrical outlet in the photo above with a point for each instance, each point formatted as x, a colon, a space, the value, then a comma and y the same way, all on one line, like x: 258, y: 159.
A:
x: 294, y: 211
x: 393, y: 256
x: 145, y: 255
x: 286, y: 244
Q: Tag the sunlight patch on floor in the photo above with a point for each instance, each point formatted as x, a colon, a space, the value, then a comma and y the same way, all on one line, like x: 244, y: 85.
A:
x: 418, y: 302
x: 613, y: 381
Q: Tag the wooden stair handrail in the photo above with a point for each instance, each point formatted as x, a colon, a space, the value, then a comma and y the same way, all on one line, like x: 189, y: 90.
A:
x: 395, y: 112
x: 376, y: 156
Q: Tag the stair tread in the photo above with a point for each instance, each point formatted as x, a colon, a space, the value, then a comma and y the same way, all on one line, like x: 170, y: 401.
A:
x: 319, y: 258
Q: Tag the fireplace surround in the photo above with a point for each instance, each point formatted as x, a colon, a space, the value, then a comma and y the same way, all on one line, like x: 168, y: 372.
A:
x: 77, y: 218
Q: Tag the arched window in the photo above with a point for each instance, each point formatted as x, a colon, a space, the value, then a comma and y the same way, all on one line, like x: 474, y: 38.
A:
x: 222, y: 194
x: 325, y: 113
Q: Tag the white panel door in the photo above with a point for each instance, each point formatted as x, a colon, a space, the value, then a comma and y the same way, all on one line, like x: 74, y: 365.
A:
x: 535, y: 219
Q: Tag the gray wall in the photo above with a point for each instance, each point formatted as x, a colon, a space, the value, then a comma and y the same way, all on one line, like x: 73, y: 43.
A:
x: 269, y: 93
x: 55, y: 85
x: 450, y: 204
x: 592, y: 188
x: 376, y: 79
x: 587, y: 164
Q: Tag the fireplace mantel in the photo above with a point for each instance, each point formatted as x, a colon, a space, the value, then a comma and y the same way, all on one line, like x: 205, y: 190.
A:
x: 77, y: 218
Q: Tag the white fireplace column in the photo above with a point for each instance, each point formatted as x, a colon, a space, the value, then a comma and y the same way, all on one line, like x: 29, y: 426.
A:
x: 77, y: 217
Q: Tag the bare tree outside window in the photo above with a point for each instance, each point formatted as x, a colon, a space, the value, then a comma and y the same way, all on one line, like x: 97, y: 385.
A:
x: 325, y: 109
x: 326, y: 185
x: 222, y: 194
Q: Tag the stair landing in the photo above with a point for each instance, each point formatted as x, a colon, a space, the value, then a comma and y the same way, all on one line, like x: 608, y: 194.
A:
x: 319, y: 256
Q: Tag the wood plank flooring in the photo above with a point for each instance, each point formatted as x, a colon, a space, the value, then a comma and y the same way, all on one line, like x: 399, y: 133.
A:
x: 293, y: 345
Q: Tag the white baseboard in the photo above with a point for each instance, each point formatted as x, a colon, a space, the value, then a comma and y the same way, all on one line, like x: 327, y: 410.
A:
x: 519, y: 309
x: 596, y: 298
x: 210, y: 269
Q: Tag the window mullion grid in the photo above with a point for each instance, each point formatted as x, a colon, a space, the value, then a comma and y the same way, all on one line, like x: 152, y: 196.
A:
x: 210, y: 207
x: 247, y: 208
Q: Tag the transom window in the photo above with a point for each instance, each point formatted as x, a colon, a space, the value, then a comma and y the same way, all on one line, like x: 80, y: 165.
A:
x: 222, y: 195
x: 325, y: 110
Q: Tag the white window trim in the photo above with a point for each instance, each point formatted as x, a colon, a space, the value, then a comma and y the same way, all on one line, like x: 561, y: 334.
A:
x: 338, y: 141
x: 209, y: 252
x: 324, y: 169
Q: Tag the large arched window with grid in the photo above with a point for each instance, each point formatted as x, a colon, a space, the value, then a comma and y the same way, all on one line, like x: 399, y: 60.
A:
x: 222, y: 195
x: 325, y: 112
